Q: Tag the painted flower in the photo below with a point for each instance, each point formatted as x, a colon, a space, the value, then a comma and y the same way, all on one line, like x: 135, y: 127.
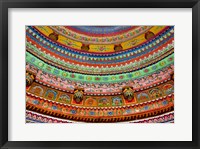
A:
x: 45, y: 105
x: 56, y: 71
x: 130, y: 75
x: 80, y: 77
x: 54, y: 107
x: 105, y: 78
x: 92, y: 113
x: 146, y: 108
x: 162, y: 63
x: 110, y: 113
x: 89, y: 78
x: 48, y: 68
x: 113, y: 78
x: 146, y: 70
x: 121, y: 77
x: 100, y: 113
x: 170, y: 59
x: 36, y: 102
x: 164, y: 102
x: 137, y: 73
x: 40, y: 64
x: 32, y: 59
x: 73, y: 111
x: 64, y: 74
x: 128, y: 111
x: 154, y: 67
x: 97, y: 78
x: 64, y: 110
x: 72, y: 75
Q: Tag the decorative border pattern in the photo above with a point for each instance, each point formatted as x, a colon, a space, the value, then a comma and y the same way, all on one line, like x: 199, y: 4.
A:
x: 68, y: 33
x: 32, y: 117
x: 91, y: 78
x: 96, y: 101
x: 117, y: 67
x: 152, y: 108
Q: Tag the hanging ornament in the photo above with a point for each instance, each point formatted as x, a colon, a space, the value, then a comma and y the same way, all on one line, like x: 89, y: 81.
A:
x: 29, y: 78
x: 118, y: 47
x: 148, y: 35
x: 85, y: 47
x: 53, y: 36
x: 78, y: 95
x: 128, y: 93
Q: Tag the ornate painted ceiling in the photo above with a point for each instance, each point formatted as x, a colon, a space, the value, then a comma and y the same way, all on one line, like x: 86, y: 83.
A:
x: 106, y: 74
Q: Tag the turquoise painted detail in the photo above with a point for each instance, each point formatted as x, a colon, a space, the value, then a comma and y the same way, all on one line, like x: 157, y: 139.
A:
x: 31, y: 59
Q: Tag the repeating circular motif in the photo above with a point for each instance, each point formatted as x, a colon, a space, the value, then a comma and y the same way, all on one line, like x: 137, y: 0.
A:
x: 89, y: 78
x: 72, y: 75
x: 146, y: 70
x: 64, y: 74
x: 40, y: 64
